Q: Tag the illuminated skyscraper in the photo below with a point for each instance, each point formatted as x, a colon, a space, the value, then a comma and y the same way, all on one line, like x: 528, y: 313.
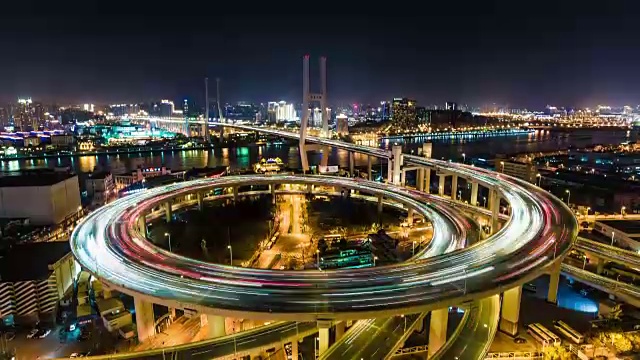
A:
x: 342, y: 124
x: 24, y: 115
x: 451, y: 105
x: 185, y: 112
x: 403, y: 113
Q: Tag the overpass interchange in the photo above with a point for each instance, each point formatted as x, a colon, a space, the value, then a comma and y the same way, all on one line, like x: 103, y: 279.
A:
x: 530, y: 206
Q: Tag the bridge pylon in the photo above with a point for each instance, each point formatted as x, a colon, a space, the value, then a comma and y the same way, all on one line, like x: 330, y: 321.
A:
x: 308, y: 97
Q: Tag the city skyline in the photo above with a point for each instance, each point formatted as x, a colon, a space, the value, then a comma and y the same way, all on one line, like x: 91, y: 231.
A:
x: 545, y: 57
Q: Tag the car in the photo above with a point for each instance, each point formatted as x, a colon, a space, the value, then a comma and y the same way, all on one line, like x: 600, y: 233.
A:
x: 43, y: 333
x: 78, y: 355
x: 519, y: 340
x: 32, y: 333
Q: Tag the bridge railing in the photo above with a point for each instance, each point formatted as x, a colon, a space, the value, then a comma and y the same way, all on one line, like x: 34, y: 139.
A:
x: 411, y: 350
x: 516, y: 355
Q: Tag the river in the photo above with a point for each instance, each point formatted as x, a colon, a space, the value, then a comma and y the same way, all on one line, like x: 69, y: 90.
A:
x: 244, y: 157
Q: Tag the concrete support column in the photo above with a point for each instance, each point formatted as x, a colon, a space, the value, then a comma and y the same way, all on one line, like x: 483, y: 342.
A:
x: 323, y: 334
x: 495, y: 209
x: 403, y: 177
x: 510, y: 311
x: 167, y: 211
x: 340, y: 327
x: 379, y: 205
x: 410, y: 216
x: 441, y: 180
x: 420, y: 179
x: 419, y: 327
x: 352, y: 164
x: 216, y: 325
x: 369, y: 176
x: 491, y: 198
x: 397, y: 163
x: 235, y: 194
x: 554, y: 281
x: 390, y: 171
x: 309, y: 189
x: 427, y: 180
x: 107, y: 293
x: 142, y: 224
x: 454, y: 187
x: 474, y: 194
x: 272, y: 187
x: 172, y: 312
x: 294, y: 349
x: 324, y: 160
x: 437, y: 330
x: 199, y: 197
x: 144, y: 318
x: 600, y: 267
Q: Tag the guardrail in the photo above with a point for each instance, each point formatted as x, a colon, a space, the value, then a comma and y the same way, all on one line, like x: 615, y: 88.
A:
x: 411, y: 350
x: 516, y: 355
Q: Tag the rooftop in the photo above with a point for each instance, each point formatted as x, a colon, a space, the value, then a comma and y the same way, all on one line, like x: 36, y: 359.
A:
x: 625, y: 226
x: 111, y: 304
x: 31, y: 261
x: 38, y: 178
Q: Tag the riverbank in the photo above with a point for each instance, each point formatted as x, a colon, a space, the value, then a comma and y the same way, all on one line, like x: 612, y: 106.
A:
x: 457, y: 134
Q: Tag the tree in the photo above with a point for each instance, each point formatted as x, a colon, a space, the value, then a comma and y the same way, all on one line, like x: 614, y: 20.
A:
x: 622, y: 343
x: 557, y: 353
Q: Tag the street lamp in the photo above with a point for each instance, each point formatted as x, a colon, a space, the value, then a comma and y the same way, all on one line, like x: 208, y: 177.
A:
x: 622, y: 209
x: 568, y: 196
x: 318, y: 258
x: 484, y: 199
x: 464, y: 158
x: 169, y: 236
x: 413, y: 248
x: 374, y: 260
x: 230, y: 254
x: 613, y: 233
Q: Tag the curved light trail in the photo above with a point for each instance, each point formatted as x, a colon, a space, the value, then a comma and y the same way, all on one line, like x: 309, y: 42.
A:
x: 108, y: 244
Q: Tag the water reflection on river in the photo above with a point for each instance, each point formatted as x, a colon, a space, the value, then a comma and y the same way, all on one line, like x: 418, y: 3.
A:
x: 244, y: 157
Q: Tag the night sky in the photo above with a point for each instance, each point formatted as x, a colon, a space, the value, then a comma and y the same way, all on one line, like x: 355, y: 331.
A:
x: 495, y: 52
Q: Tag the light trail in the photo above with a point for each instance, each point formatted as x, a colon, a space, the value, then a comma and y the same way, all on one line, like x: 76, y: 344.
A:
x: 109, y: 244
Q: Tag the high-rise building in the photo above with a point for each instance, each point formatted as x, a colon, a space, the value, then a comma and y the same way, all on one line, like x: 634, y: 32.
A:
x: 280, y: 112
x: 4, y: 116
x: 185, y: 112
x: 316, y: 118
x: 403, y: 113
x: 385, y: 110
x: 342, y: 124
x: 451, y: 105
x: 272, y: 109
x: 422, y: 115
x: 24, y: 115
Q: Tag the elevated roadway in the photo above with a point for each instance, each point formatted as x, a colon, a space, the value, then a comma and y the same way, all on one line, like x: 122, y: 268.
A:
x: 227, y: 347
x: 543, y: 229
x: 626, y: 292
x: 109, y: 244
x: 608, y: 252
